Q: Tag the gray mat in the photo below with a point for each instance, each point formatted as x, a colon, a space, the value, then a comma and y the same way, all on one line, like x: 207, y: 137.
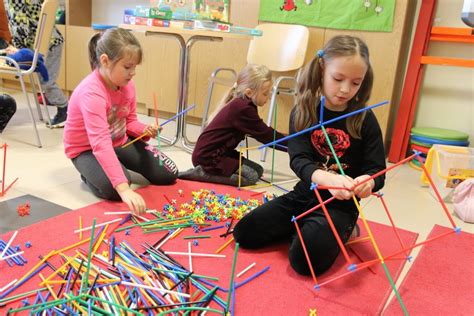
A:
x: 39, y: 210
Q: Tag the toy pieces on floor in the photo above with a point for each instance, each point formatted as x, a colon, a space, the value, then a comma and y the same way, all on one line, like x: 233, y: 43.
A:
x: 23, y: 209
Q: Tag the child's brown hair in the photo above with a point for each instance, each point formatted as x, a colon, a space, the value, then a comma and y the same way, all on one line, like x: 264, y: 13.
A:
x: 116, y: 43
x: 310, y: 84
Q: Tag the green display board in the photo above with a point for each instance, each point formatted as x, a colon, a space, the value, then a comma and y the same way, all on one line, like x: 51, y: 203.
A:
x: 365, y: 15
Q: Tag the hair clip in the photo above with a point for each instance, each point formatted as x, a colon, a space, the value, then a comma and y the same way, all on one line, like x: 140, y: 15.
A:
x: 320, y: 53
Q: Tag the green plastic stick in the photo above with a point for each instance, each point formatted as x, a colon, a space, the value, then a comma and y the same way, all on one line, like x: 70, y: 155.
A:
x: 229, y: 295
x: 399, y: 298
x: 85, y: 280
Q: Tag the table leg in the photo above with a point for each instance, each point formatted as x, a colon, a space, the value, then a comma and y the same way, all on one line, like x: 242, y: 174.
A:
x: 187, y: 144
x: 179, y: 102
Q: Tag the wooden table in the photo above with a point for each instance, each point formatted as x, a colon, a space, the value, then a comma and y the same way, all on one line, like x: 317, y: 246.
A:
x: 186, y: 39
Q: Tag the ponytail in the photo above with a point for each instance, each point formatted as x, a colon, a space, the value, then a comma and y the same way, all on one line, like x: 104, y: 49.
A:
x: 226, y: 99
x: 93, y: 58
x: 308, y: 92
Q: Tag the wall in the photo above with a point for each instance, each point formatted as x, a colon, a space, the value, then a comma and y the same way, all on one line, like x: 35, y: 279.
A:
x: 447, y: 94
x: 111, y: 12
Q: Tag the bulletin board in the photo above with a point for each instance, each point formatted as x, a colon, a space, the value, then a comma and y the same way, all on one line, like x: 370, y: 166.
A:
x: 364, y: 15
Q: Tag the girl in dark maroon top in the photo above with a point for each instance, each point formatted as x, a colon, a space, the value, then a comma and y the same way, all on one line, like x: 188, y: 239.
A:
x: 214, y: 157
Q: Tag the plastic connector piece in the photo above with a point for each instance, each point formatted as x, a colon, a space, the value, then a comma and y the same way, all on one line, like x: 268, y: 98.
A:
x: 416, y: 152
x: 457, y: 230
x: 352, y: 267
x: 313, y: 186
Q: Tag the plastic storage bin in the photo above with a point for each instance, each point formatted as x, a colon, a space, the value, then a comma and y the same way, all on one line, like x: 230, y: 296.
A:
x: 448, y: 166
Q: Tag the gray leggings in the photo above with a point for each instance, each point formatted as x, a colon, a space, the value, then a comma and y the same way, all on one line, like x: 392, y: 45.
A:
x: 251, y: 172
x: 50, y: 88
x: 133, y: 157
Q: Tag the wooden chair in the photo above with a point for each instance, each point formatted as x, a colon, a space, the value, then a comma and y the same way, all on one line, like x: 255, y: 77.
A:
x: 282, y: 48
x: 41, y: 46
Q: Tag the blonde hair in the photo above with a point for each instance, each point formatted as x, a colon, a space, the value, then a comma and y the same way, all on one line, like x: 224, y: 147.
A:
x: 310, y: 84
x: 116, y: 43
x: 251, y: 77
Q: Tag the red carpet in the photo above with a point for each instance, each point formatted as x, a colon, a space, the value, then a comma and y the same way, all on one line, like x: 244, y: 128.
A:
x: 279, y: 291
x: 441, y: 280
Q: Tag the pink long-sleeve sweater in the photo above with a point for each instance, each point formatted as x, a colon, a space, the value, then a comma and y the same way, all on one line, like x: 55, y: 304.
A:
x: 99, y: 119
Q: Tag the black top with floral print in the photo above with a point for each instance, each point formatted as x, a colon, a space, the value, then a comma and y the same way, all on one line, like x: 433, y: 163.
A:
x: 24, y: 16
x: 310, y: 151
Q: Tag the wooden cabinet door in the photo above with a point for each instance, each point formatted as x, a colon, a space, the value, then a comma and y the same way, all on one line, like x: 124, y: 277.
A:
x: 161, y: 63
x: 61, y: 81
x: 77, y: 54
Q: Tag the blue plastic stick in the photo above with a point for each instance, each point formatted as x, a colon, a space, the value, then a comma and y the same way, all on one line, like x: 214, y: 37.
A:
x: 321, y: 110
x: 177, y: 115
x: 212, y: 228
x: 256, y: 275
x: 319, y: 125
x: 17, y: 285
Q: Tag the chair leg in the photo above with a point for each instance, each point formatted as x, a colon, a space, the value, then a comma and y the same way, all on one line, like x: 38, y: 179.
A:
x: 33, y: 90
x: 212, y: 81
x: 271, y: 110
x: 276, y: 90
x: 30, y: 110
x: 36, y: 76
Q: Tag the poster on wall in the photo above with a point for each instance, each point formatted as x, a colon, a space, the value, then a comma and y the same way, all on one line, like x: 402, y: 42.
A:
x: 365, y: 15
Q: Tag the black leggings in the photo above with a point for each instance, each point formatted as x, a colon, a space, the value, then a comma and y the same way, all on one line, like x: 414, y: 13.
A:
x: 271, y: 223
x: 134, y: 157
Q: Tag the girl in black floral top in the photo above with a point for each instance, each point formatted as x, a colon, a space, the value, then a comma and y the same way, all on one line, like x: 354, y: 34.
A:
x: 342, y: 73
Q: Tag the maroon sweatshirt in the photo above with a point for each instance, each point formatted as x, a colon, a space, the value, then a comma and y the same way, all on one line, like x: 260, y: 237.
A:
x: 215, y: 147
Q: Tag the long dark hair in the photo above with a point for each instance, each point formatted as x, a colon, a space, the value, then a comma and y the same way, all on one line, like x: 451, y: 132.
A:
x: 310, y: 84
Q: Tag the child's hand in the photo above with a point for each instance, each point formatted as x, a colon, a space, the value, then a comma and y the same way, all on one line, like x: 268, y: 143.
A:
x: 325, y: 178
x: 134, y: 200
x: 152, y: 130
x: 10, y: 50
x: 364, y: 190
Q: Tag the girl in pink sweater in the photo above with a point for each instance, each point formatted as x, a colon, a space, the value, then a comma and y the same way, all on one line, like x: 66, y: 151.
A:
x: 102, y: 118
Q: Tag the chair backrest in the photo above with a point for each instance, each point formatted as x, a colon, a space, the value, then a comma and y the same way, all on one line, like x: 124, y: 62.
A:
x: 282, y: 47
x: 48, y: 18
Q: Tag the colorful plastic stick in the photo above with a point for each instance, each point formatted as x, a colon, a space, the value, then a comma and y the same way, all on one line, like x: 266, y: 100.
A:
x: 8, y: 243
x: 246, y: 269
x: 227, y: 243
x: 232, y: 275
x: 97, y: 226
x: 325, y: 123
x: 195, y: 254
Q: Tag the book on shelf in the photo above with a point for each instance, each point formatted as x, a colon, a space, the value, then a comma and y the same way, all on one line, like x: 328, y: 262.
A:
x: 136, y: 20
x: 215, y: 10
x: 245, y: 30
x: 210, y: 26
x: 152, y: 12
